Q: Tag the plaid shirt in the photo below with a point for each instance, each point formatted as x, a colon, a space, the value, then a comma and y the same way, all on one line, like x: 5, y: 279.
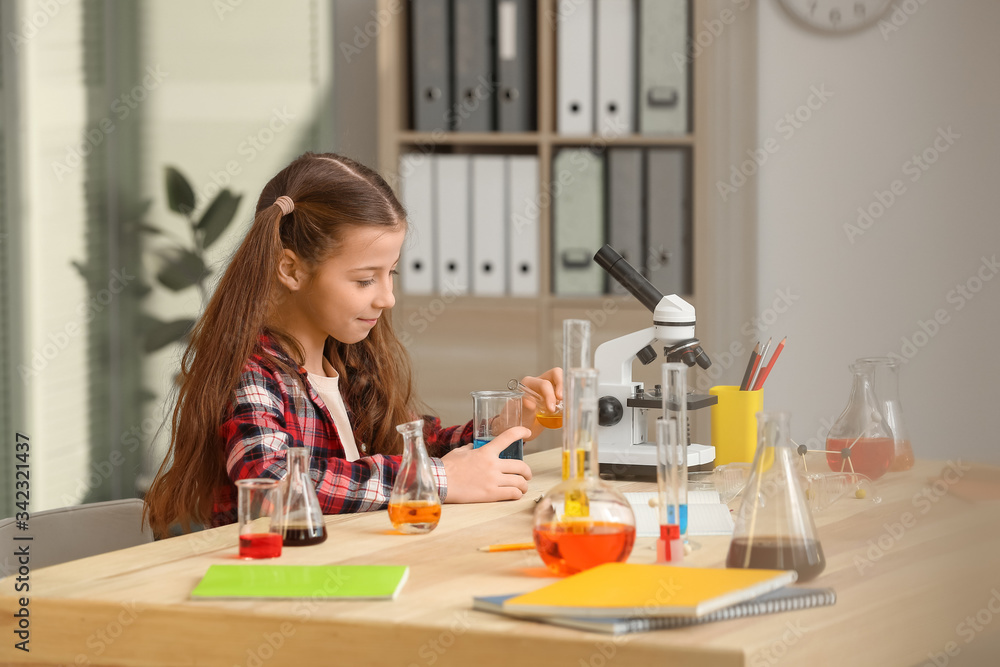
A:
x: 271, y: 413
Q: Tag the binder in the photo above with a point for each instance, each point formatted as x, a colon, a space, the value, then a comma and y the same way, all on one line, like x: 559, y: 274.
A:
x: 416, y: 267
x: 575, y: 65
x: 474, y: 87
x: 663, y: 79
x: 430, y: 64
x: 451, y: 191
x: 625, y: 207
x: 615, y: 108
x: 522, y: 225
x: 516, y: 66
x: 668, y: 221
x: 578, y: 222
x: 489, y: 246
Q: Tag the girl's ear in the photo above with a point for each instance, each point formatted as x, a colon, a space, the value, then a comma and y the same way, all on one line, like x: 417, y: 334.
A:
x: 291, y: 272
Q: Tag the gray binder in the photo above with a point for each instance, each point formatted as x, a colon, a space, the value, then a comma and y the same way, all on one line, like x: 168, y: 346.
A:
x: 625, y: 208
x: 515, y: 65
x: 668, y: 221
x: 578, y: 222
x: 430, y: 73
x: 473, y: 83
x: 663, y: 83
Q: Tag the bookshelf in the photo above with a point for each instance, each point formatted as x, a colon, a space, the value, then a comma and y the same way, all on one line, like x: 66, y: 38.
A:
x: 462, y: 343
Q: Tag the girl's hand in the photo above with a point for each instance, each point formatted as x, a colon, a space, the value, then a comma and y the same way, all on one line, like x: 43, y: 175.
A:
x: 481, y: 476
x: 550, y: 385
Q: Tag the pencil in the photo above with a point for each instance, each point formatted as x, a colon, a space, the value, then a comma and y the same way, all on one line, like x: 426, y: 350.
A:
x: 760, y: 364
x: 745, y: 384
x: 519, y: 546
x: 767, y: 369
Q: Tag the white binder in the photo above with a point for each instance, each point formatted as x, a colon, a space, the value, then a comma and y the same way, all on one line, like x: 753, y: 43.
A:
x: 577, y: 222
x: 416, y: 267
x: 452, y: 197
x: 522, y: 224
x: 575, y: 64
x: 489, y: 247
x: 663, y: 83
x: 614, y: 109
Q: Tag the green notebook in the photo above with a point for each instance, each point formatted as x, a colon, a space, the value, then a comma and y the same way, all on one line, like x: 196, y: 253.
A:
x: 334, y: 582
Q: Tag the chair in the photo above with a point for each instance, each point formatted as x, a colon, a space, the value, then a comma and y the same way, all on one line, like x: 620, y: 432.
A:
x: 69, y: 533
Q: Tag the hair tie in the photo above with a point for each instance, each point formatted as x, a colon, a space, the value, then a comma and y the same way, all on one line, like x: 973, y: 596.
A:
x: 285, y: 203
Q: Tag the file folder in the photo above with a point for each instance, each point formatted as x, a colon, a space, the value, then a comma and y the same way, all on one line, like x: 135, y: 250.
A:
x: 575, y: 67
x: 625, y: 208
x: 668, y: 221
x: 416, y: 267
x: 452, y: 204
x: 474, y: 85
x: 663, y: 80
x: 522, y: 225
x: 489, y: 245
x: 516, y: 66
x: 578, y: 222
x: 430, y: 65
x: 615, y: 109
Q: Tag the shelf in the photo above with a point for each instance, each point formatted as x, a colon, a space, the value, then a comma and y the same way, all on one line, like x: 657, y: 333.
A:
x: 627, y: 140
x: 412, y: 138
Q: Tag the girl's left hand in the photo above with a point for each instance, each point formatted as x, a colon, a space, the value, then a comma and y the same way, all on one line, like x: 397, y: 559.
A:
x: 550, y: 386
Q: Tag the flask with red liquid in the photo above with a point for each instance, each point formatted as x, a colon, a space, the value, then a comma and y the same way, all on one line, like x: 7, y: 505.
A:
x: 860, y: 440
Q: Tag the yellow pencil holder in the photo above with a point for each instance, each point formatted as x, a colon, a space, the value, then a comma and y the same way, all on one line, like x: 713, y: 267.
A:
x: 734, y: 423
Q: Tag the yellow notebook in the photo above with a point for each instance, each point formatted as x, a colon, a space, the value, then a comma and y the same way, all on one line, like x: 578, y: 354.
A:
x: 631, y: 590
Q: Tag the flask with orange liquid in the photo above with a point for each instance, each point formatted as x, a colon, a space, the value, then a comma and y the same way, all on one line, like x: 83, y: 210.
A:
x: 414, y: 504
x: 886, y: 376
x: 860, y: 441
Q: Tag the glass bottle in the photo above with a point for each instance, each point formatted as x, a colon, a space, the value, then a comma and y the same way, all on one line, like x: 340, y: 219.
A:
x: 774, y: 529
x: 582, y: 521
x: 303, y: 517
x: 860, y: 440
x: 414, y: 504
x: 886, y: 372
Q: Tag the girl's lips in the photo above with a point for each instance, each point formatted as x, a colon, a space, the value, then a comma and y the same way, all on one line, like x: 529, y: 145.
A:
x: 369, y: 322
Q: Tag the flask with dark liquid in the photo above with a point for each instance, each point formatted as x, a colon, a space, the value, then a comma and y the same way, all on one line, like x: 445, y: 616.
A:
x: 774, y: 528
x: 414, y: 504
x: 303, y: 517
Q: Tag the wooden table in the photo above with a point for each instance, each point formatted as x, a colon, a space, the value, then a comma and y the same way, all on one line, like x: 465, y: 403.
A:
x: 908, y: 572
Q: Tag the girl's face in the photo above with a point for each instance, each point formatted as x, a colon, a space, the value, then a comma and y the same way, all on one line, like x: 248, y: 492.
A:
x: 348, y: 292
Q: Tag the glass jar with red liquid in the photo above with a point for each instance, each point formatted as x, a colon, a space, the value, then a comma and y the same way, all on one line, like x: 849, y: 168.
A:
x: 861, y: 440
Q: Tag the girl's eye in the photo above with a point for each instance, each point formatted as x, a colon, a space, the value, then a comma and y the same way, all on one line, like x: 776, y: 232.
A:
x: 366, y: 283
x: 394, y: 272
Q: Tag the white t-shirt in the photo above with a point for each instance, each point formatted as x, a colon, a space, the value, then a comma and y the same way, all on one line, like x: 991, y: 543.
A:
x: 328, y: 388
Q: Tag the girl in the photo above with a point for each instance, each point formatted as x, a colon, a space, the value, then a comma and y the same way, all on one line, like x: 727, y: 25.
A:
x: 296, y: 349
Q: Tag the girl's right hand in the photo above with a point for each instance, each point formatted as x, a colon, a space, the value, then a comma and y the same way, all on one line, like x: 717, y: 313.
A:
x: 481, y: 476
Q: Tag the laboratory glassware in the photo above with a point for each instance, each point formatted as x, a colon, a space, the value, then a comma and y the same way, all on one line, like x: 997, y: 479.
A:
x: 886, y: 373
x: 414, y: 504
x: 861, y: 440
x: 258, y: 511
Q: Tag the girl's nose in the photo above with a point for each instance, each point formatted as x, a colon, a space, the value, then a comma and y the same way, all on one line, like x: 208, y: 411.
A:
x: 385, y: 299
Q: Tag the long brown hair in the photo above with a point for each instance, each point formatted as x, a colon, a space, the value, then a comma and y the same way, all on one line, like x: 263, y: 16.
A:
x: 331, y: 193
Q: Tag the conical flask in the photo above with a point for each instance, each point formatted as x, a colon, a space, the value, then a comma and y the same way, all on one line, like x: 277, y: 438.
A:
x: 303, y: 517
x: 414, y: 504
x: 582, y: 521
x: 860, y: 440
x: 886, y: 374
x: 774, y: 529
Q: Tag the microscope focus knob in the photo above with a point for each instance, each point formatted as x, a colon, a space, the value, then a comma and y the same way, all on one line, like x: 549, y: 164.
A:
x: 646, y: 355
x: 609, y: 411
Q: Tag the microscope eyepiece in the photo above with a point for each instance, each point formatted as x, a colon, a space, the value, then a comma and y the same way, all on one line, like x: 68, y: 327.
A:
x: 626, y: 275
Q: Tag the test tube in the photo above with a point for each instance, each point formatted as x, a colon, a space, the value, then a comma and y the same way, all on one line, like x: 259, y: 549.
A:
x: 675, y: 411
x: 670, y: 476
x: 576, y: 355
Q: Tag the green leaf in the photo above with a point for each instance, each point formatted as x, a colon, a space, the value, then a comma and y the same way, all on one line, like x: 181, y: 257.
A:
x: 180, y: 196
x: 167, y: 333
x: 217, y: 217
x: 183, y: 269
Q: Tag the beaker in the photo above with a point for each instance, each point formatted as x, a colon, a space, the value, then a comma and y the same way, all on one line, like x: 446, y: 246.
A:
x: 547, y: 419
x: 860, y: 440
x: 414, y: 504
x: 302, y: 515
x: 493, y: 412
x: 886, y: 372
x: 258, y: 502
x: 774, y: 528
x: 583, y: 521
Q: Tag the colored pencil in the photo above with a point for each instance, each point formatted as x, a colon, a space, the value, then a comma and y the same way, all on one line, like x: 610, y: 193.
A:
x: 760, y: 363
x: 520, y: 546
x: 767, y: 369
x: 745, y: 384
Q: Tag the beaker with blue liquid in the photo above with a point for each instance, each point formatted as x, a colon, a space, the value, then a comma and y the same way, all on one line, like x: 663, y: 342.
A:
x: 493, y: 412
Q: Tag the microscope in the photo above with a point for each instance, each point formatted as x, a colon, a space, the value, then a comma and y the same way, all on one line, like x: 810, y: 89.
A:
x: 624, y: 447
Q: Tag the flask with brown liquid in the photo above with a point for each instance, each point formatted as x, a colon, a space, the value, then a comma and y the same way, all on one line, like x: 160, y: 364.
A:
x: 774, y: 528
x: 414, y: 504
x: 302, y: 515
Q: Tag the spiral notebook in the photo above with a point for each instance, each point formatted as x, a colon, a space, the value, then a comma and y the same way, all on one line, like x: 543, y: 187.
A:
x: 783, y: 599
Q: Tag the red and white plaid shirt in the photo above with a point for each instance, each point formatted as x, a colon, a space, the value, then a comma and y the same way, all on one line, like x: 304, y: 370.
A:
x: 271, y: 413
